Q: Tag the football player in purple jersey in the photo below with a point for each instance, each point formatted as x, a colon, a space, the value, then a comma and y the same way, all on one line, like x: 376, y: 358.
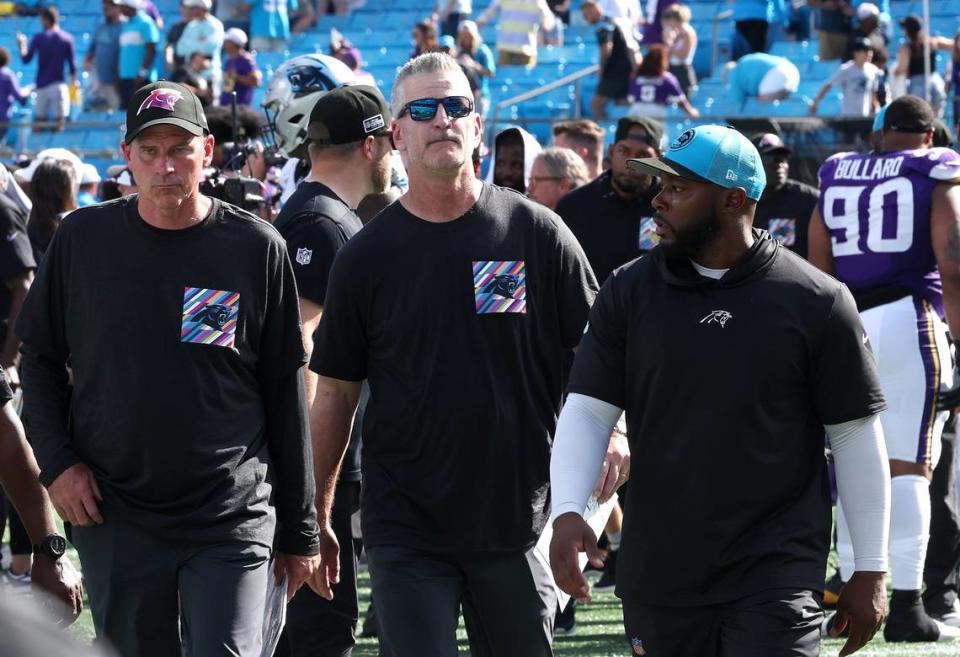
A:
x: 888, y: 225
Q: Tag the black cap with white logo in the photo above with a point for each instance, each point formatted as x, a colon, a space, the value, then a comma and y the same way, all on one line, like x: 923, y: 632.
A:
x: 348, y: 114
x: 164, y: 103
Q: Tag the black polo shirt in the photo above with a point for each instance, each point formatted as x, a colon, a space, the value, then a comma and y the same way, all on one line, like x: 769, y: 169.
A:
x: 728, y: 490
x: 785, y: 214
x: 612, y: 231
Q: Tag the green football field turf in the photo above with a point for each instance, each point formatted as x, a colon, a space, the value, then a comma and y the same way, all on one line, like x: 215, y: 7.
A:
x: 599, y: 633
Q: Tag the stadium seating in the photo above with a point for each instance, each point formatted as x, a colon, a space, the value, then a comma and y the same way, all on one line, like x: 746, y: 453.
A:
x: 381, y: 30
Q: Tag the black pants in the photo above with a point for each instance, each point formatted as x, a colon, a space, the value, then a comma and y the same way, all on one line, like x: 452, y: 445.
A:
x: 943, y: 551
x: 151, y: 596
x: 317, y: 627
x: 418, y: 598
x: 755, y: 34
x: 450, y: 25
x: 781, y: 622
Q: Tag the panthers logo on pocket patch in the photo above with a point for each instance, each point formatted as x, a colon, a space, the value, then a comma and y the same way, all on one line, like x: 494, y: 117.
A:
x: 500, y: 286
x: 209, y: 316
x: 783, y: 230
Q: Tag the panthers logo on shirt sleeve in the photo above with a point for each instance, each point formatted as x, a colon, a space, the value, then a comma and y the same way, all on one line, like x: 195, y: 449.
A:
x: 500, y: 286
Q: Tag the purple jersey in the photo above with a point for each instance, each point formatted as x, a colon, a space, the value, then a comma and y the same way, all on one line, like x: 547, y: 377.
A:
x: 877, y: 209
x: 661, y: 91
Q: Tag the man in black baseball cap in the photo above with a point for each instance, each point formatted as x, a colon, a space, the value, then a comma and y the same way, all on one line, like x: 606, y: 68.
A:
x: 611, y: 216
x: 165, y: 491
x: 349, y: 148
x: 165, y: 103
x: 786, y: 204
x: 167, y: 117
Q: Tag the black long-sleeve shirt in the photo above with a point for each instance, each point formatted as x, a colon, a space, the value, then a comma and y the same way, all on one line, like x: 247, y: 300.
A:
x: 186, y: 351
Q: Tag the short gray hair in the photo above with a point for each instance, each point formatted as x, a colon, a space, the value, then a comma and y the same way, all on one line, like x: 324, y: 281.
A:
x: 430, y: 62
x: 566, y: 164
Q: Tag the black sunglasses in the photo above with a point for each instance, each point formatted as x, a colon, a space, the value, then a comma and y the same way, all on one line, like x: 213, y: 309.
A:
x: 424, y: 109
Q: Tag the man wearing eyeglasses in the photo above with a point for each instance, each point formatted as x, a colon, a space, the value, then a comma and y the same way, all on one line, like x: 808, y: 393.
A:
x: 349, y: 150
x: 457, y: 305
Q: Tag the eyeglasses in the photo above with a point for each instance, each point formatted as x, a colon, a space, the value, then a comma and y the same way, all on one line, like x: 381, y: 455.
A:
x: 539, y: 179
x: 424, y: 109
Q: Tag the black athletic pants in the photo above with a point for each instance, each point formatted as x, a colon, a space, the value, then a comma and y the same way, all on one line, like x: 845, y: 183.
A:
x: 755, y: 34
x: 943, y: 551
x: 507, y: 600
x: 317, y: 627
x: 780, y: 622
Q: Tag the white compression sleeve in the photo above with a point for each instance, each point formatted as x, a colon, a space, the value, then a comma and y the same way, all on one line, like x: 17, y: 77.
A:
x: 863, y: 485
x: 579, y: 447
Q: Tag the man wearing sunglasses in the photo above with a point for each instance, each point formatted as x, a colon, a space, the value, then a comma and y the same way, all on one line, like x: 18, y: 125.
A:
x: 457, y: 304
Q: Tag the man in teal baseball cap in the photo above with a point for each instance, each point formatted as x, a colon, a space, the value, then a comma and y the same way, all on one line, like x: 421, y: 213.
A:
x: 731, y: 357
x: 712, y: 178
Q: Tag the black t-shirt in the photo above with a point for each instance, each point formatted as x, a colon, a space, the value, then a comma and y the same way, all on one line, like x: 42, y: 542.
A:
x: 728, y: 489
x: 611, y: 231
x: 171, y: 335
x: 621, y: 61
x: 459, y: 328
x: 785, y: 214
x: 16, y: 254
x: 316, y: 223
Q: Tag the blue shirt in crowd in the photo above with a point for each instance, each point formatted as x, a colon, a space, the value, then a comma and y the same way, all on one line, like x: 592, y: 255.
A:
x: 135, y: 34
x: 759, y: 10
x: 746, y: 76
x: 271, y: 18
x: 105, y: 49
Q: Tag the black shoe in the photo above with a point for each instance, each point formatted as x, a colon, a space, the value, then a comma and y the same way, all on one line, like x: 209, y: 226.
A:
x: 370, y: 627
x: 608, y: 581
x: 908, y: 622
x: 566, y: 620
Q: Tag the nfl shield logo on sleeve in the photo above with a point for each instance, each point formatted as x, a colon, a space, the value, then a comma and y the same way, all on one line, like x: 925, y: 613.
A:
x: 304, y: 256
x: 637, y: 646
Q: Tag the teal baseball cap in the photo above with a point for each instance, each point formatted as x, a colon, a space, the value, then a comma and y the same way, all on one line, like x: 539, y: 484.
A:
x: 713, y: 154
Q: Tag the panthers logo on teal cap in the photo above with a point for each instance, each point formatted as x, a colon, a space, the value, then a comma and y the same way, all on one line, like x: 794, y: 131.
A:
x: 683, y: 140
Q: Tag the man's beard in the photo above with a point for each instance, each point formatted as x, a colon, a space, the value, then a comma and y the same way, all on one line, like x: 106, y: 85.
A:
x: 692, y: 240
x: 632, y: 185
x: 380, y: 177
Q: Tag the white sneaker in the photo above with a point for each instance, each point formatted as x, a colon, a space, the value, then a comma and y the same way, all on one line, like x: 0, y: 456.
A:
x: 947, y: 632
x: 952, y: 617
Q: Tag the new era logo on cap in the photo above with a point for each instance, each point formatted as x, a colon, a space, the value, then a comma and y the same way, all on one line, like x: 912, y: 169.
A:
x: 165, y: 99
x: 348, y: 114
x: 374, y: 123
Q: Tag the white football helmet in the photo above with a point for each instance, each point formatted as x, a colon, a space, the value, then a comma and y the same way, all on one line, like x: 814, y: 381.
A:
x: 292, y: 92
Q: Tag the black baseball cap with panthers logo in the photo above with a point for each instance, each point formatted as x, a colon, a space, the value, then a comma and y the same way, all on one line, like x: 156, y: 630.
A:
x: 165, y: 103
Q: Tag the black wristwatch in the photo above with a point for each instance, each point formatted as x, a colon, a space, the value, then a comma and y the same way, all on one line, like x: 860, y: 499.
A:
x: 53, y: 546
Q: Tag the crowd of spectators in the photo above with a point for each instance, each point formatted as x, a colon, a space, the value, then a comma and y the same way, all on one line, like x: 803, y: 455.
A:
x: 646, y: 52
